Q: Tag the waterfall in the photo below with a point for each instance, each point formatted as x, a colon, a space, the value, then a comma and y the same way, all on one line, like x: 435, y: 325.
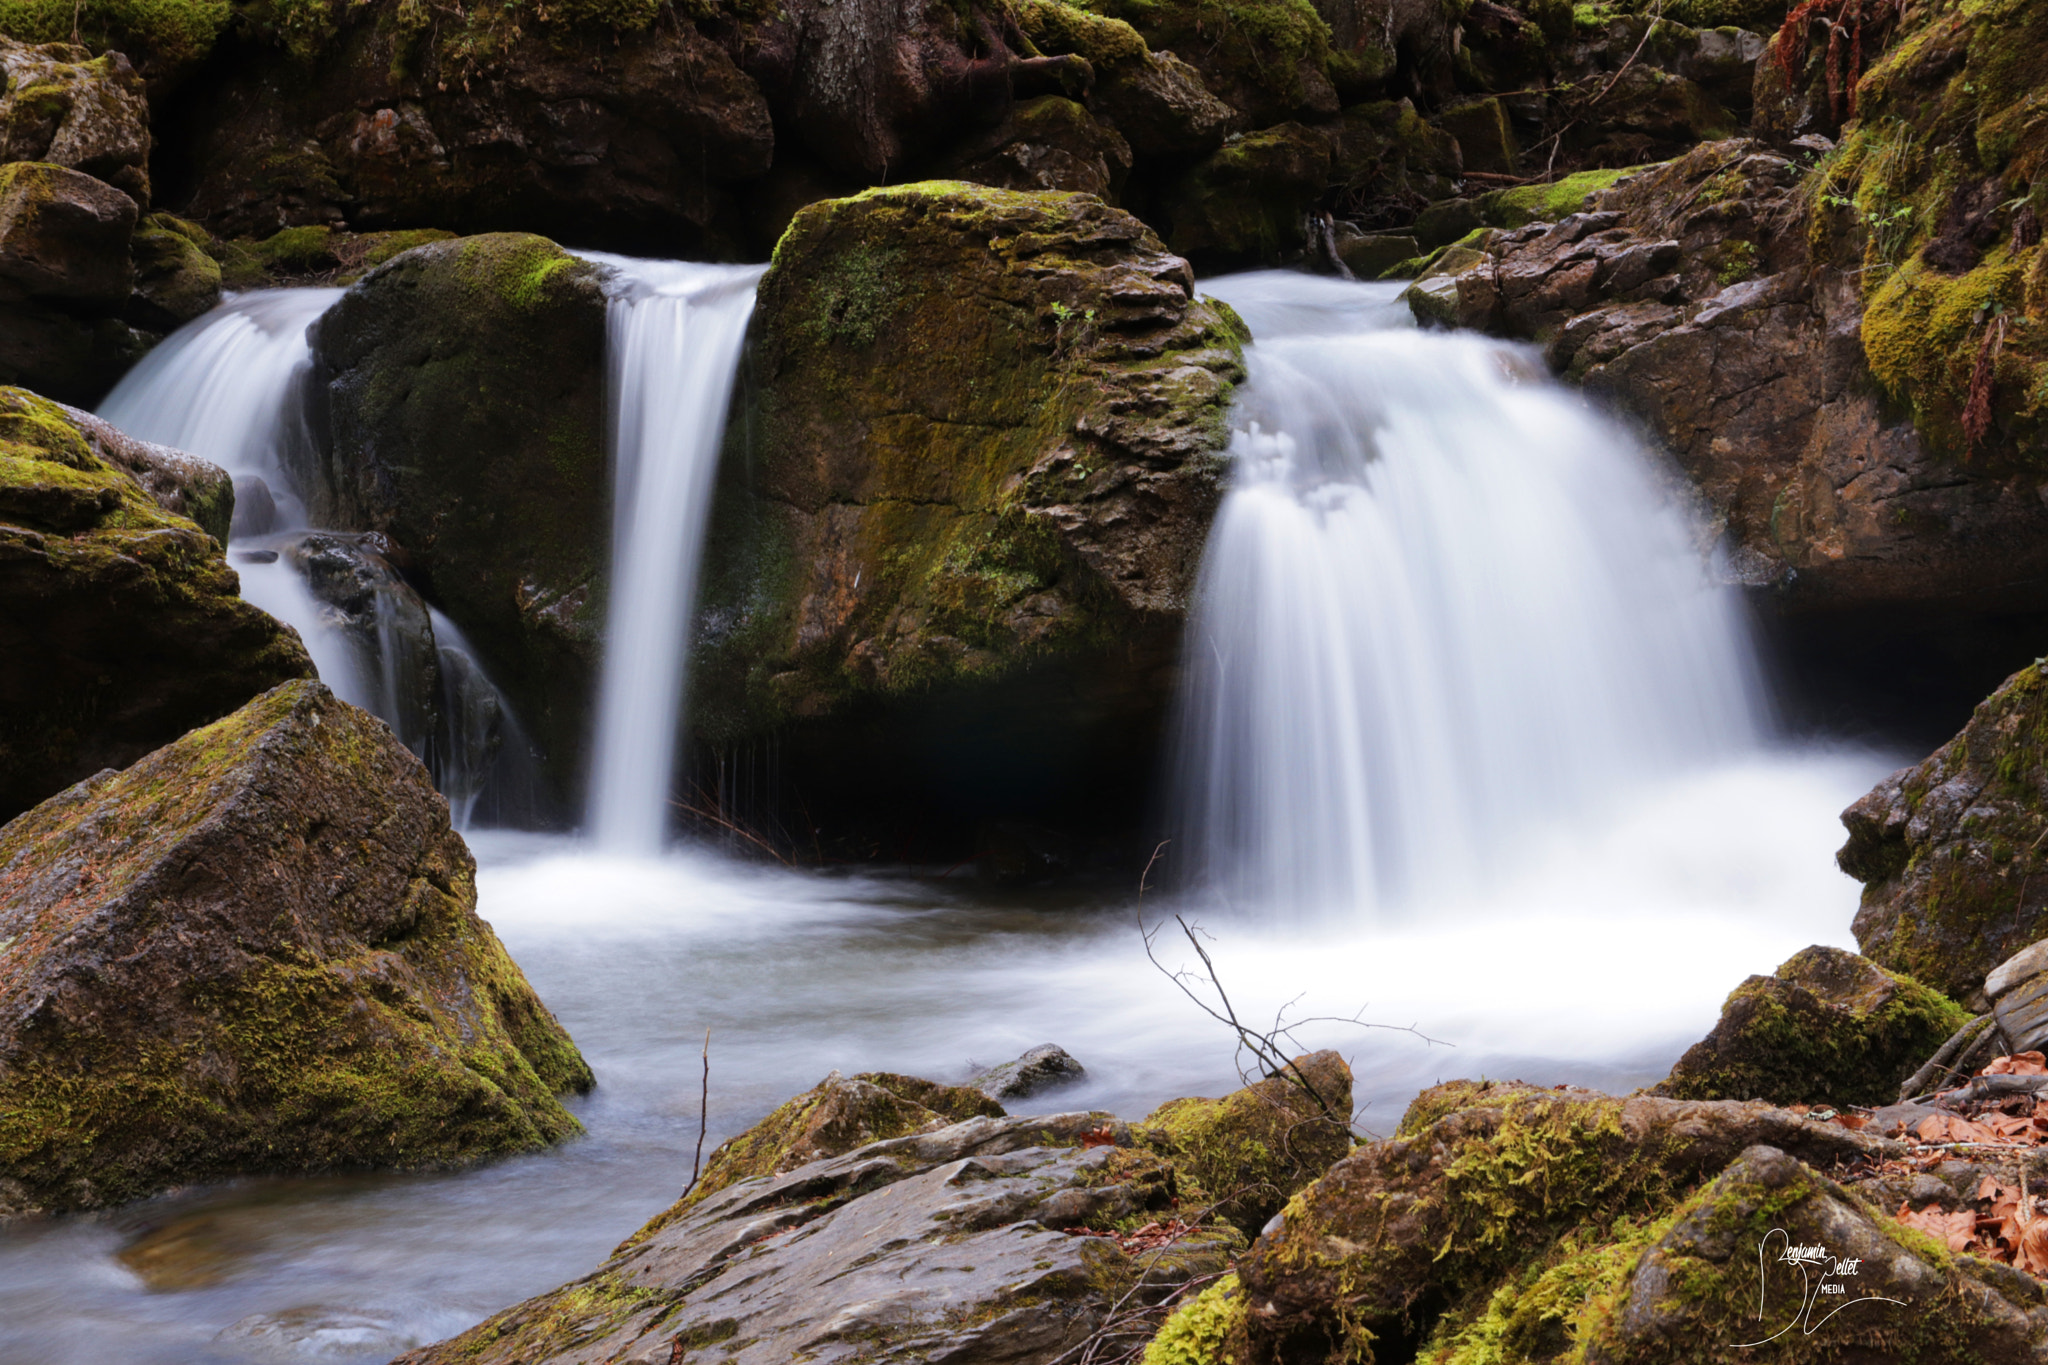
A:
x: 227, y: 387
x: 1444, y: 608
x: 673, y: 336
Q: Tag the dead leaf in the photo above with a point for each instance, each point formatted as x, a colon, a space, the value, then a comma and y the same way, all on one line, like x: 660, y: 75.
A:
x: 2019, y: 1064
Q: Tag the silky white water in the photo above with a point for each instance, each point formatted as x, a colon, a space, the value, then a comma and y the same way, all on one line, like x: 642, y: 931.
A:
x: 1598, y: 963
x: 220, y: 388
x: 674, y: 330
x: 1445, y: 616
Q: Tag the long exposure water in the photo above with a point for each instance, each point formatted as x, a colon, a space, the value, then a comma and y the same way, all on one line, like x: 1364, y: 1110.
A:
x: 1444, y: 611
x: 1593, y: 949
x: 673, y: 335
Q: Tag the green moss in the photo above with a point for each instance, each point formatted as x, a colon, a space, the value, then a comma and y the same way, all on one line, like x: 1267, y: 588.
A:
x: 1208, y: 1329
x: 1057, y: 28
x: 1254, y: 1149
x: 161, y: 36
x: 1547, y: 203
x: 290, y: 1064
x: 1262, y: 43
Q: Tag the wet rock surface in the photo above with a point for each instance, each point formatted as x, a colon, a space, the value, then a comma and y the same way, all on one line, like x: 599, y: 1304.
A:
x: 257, y: 950
x: 121, y: 626
x: 1828, y: 1027
x: 950, y: 1244
x: 1042, y: 1068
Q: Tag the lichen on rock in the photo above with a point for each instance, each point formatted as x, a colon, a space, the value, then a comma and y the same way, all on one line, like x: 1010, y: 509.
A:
x: 257, y: 950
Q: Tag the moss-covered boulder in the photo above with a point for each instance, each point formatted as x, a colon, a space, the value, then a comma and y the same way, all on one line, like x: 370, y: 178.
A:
x: 1268, y: 59
x: 1827, y: 1028
x: 1486, y: 1189
x: 1254, y: 1149
x: 63, y: 106
x: 982, y: 446
x: 1950, y: 851
x: 257, y: 950
x: 464, y: 387
x: 175, y: 279
x: 120, y: 623
x: 1245, y: 205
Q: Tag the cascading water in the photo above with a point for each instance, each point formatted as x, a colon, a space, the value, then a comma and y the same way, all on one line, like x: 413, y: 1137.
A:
x: 1443, y: 610
x: 674, y: 334
x: 227, y: 387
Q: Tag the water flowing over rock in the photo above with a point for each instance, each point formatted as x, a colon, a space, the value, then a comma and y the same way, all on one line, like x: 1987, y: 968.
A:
x: 986, y: 524
x: 1399, y: 667
x: 236, y: 383
x: 121, y: 626
x: 257, y: 950
x: 673, y: 337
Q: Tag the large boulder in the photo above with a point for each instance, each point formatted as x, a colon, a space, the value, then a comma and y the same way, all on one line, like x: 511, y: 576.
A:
x: 62, y: 106
x: 121, y: 626
x: 1950, y: 850
x: 1511, y: 1222
x: 257, y: 950
x: 990, y: 1239
x: 1828, y: 1027
x: 65, y: 276
x: 982, y: 447
x: 463, y: 387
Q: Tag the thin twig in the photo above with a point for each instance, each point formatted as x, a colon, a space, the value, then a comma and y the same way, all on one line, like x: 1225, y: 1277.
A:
x: 703, y: 1120
x: 725, y: 824
x: 1556, y: 139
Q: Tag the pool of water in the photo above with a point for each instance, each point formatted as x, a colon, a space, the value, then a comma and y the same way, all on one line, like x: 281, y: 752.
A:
x: 1598, y: 963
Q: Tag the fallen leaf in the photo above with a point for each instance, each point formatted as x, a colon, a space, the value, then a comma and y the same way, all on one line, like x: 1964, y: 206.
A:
x: 2019, y: 1064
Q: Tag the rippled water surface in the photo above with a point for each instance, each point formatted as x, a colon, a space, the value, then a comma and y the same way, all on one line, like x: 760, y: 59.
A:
x: 1599, y: 963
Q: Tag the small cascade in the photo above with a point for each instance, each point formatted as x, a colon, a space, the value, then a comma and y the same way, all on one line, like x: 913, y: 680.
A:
x: 674, y: 334
x: 1444, y: 608
x: 228, y: 387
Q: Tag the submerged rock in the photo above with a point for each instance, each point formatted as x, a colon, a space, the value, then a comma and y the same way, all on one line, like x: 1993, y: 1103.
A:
x: 1828, y: 1027
x: 971, y: 544
x: 257, y: 950
x: 1045, y: 1067
x: 1949, y: 851
x: 120, y: 624
x: 464, y: 388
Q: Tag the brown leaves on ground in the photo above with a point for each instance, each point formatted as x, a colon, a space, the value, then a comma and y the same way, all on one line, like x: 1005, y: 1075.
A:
x: 1151, y: 1237
x: 2002, y: 1224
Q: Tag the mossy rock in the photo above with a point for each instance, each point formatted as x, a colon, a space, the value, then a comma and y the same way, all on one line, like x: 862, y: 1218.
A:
x: 1950, y: 852
x: 963, y: 503
x: 832, y: 1118
x: 257, y: 950
x: 1485, y: 1189
x: 175, y: 280
x: 1244, y: 205
x: 167, y: 39
x: 466, y: 385
x: 1255, y: 1148
x: 121, y: 625
x: 1940, y: 175
x: 1828, y: 1028
x: 61, y: 105
x: 1269, y: 59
